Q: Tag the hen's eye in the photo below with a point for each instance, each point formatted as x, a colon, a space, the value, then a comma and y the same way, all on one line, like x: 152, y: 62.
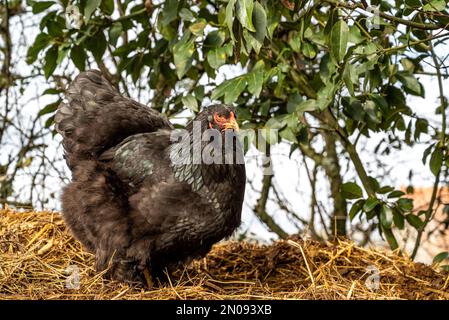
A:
x: 219, y: 117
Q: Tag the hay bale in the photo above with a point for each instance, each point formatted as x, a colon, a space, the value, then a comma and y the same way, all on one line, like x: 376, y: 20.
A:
x: 40, y: 260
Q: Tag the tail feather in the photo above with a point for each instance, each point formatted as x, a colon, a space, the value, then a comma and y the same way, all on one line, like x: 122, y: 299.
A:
x: 96, y: 117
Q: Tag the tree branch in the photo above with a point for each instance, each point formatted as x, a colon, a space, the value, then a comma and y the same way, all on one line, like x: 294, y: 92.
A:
x: 260, y: 208
x: 443, y: 142
x: 412, y: 24
x: 333, y: 171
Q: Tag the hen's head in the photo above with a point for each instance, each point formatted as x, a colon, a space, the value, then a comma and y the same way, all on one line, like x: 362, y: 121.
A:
x: 219, y: 116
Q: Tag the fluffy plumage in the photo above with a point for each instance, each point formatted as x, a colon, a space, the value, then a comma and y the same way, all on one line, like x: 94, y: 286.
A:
x: 128, y: 202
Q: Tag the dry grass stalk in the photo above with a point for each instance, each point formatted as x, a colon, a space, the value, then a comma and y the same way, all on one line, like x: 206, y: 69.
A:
x: 36, y: 252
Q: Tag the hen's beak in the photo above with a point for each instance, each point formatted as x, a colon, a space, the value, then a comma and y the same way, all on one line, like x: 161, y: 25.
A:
x: 232, y: 123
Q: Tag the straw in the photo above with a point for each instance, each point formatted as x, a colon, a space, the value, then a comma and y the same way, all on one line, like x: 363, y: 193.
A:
x: 38, y: 258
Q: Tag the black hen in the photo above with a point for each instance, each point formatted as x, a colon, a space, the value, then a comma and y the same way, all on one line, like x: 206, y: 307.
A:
x: 129, y: 202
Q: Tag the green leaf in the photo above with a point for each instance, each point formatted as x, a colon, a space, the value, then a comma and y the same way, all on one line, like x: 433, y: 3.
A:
x: 370, y: 204
x: 295, y: 41
x: 277, y: 122
x: 260, y: 22
x: 288, y: 135
x: 327, y: 68
x: 411, y: 84
x: 395, y: 97
x: 374, y: 183
x: 285, y: 124
x: 170, y: 12
x: 230, y: 8
x: 39, y: 6
x: 50, y: 61
x: 50, y: 108
x: 90, y: 7
x: 398, y: 219
x: 273, y: 19
x: 435, y: 5
x: 408, y: 133
x: 413, y: 3
x: 307, y: 105
x: 386, y: 216
x: 309, y: 50
x: 55, y: 27
x: 279, y: 89
x: 255, y: 79
x: 353, y: 108
x: 190, y: 102
x: 214, y: 39
x: 62, y: 53
x: 440, y: 257
x: 97, y: 45
x: 374, y: 115
x: 426, y: 153
x: 339, y: 40
x: 317, y: 38
x: 350, y: 78
x: 405, y: 204
x: 244, y: 10
x: 217, y: 57
x: 186, y: 14
x: 107, y: 6
x: 356, y: 208
x: 391, y: 239
x: 436, y: 160
x: 250, y: 42
x: 408, y: 65
x: 326, y: 95
x: 229, y: 49
x: 421, y: 126
x: 293, y: 101
x: 40, y: 43
x: 268, y: 132
x: 400, y: 124
x: 50, y: 16
x: 51, y: 91
x: 415, y: 221
x: 385, y: 189
x: 199, y: 92
x: 183, y: 52
x: 355, y: 36
x: 230, y: 89
x: 395, y: 194
x: 232, y: 95
x: 49, y: 122
x: 198, y: 27
x: 79, y: 57
x: 351, y: 190
x: 115, y: 32
x: 167, y: 31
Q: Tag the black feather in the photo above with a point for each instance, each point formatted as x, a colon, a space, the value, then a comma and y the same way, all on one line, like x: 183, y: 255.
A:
x: 128, y: 202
